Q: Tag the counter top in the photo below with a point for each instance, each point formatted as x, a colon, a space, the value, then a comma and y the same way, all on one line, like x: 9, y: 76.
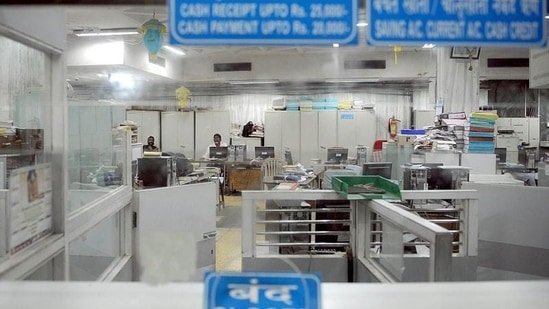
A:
x: 137, y: 295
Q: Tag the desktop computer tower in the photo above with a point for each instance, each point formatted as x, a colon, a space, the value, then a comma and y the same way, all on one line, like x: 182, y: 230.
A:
x: 240, y: 153
x: 236, y: 153
x: 231, y: 153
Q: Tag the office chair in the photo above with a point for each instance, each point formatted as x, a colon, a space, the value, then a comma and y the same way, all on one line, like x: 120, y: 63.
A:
x: 269, y: 168
x: 377, y: 150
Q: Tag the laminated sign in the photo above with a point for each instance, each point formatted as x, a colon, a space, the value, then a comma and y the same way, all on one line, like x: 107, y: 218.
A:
x: 261, y: 290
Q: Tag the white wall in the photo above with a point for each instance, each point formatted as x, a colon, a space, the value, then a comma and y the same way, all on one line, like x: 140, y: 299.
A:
x: 311, y: 67
x: 40, y: 22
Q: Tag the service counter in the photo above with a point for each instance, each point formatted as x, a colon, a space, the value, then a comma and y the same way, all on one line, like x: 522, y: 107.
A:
x: 138, y: 295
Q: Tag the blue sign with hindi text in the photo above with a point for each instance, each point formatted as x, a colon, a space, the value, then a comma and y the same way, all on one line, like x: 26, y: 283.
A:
x: 274, y: 290
x: 265, y: 22
x: 509, y: 23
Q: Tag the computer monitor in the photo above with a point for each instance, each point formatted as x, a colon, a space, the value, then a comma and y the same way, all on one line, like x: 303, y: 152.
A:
x: 337, y: 155
x: 382, y: 169
x: 219, y: 153
x: 264, y: 152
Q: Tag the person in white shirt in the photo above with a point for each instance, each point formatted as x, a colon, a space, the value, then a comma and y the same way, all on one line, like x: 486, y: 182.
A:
x: 216, y: 143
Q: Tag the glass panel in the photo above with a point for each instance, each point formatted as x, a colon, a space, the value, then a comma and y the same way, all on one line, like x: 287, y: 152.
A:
x: 24, y: 101
x: 97, y: 151
x: 92, y: 253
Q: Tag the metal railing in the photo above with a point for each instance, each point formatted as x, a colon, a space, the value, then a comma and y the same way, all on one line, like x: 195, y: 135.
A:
x: 283, y: 223
x: 276, y: 223
x: 443, y: 222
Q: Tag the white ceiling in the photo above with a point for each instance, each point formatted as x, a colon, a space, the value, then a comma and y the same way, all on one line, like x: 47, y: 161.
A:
x: 121, y: 16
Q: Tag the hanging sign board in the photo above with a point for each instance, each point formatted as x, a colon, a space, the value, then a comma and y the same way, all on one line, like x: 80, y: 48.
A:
x: 266, y: 22
x: 276, y: 290
x: 505, y: 23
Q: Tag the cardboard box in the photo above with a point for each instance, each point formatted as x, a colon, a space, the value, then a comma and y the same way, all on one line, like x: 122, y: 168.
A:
x: 403, y: 140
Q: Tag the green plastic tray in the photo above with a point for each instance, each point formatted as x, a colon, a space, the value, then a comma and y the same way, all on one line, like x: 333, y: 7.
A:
x: 344, y: 186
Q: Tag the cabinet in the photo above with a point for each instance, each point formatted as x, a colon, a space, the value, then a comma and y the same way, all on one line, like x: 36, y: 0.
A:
x: 308, y: 134
x: 282, y: 130
x: 148, y: 123
x: 356, y: 128
x: 178, y: 133
x: 318, y: 132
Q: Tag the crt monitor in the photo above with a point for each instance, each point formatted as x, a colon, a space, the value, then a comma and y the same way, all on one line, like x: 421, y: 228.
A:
x: 219, y: 153
x: 382, y: 169
x: 337, y: 155
x: 264, y: 152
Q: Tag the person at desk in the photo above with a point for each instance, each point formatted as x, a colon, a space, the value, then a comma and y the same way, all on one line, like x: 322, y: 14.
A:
x: 216, y: 143
x: 150, y: 145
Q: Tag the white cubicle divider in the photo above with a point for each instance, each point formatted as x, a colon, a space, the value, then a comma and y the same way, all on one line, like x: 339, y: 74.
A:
x: 480, y: 163
x: 502, y: 179
x: 180, y: 213
x: 513, y: 233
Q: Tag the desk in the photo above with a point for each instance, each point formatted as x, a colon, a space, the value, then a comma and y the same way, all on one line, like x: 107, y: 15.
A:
x: 242, y: 176
x: 307, y: 183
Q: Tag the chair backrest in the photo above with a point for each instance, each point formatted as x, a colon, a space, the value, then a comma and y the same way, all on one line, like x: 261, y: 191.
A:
x: 272, y: 167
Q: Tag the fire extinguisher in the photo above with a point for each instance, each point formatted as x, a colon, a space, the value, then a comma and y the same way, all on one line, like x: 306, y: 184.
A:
x: 393, y: 126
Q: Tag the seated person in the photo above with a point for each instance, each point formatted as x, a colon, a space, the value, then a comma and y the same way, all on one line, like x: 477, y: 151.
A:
x: 216, y: 143
x: 150, y: 145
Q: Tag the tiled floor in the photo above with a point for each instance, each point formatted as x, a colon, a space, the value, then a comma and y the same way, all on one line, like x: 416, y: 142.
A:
x: 228, y: 244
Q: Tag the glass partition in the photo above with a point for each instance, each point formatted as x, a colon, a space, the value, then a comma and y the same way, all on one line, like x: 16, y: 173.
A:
x: 97, y: 151
x: 24, y: 123
x: 92, y: 253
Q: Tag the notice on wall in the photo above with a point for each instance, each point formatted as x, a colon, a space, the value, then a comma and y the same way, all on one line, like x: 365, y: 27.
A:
x: 518, y: 23
x: 266, y: 22
x: 30, y: 199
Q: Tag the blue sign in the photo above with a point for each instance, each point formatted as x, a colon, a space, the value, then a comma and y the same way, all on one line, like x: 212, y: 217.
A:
x: 347, y: 116
x: 261, y: 290
x: 518, y: 23
x: 265, y: 22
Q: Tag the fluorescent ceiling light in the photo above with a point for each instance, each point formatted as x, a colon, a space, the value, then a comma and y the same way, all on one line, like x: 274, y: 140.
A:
x: 254, y: 81
x: 428, y: 45
x: 546, y: 16
x: 106, y: 32
x: 352, y: 80
x: 174, y: 50
x: 335, y: 45
x: 362, y: 24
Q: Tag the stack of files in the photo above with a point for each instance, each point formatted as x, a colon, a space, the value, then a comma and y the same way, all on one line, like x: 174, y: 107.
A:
x: 306, y: 105
x: 292, y: 105
x: 481, y: 132
x: 459, y: 132
x: 319, y: 104
x: 331, y: 104
x: 346, y: 104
